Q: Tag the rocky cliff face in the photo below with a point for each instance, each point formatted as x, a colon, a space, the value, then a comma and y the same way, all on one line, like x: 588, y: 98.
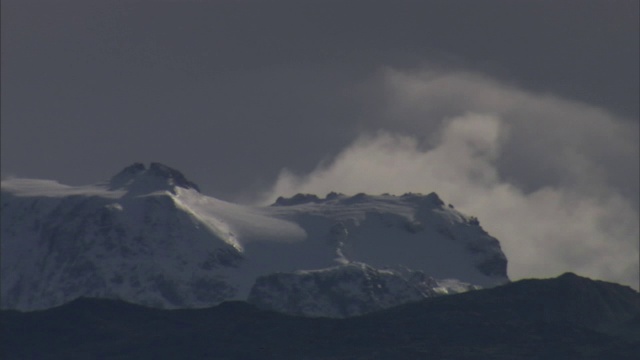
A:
x: 148, y: 236
x: 346, y: 290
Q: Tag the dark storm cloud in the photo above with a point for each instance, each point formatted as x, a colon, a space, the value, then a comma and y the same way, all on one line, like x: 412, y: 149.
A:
x: 231, y: 87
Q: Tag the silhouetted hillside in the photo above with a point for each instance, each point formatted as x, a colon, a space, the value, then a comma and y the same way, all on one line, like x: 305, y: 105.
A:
x: 568, y: 317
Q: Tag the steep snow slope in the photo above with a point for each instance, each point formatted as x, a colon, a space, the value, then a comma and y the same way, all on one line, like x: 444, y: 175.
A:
x: 149, y: 236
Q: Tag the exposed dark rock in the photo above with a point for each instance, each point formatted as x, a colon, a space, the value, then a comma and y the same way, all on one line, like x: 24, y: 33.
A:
x: 166, y: 172
x: 126, y: 175
x: 223, y: 257
x: 137, y: 176
x: 342, y: 291
x: 334, y: 195
x: 297, y: 199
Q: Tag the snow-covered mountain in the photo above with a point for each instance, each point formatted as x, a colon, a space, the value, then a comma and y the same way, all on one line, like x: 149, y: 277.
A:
x: 148, y: 236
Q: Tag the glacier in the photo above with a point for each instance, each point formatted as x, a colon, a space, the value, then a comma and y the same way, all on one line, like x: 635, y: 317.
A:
x: 149, y: 236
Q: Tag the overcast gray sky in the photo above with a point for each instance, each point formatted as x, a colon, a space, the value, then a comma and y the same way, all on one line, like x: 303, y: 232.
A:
x: 528, y: 105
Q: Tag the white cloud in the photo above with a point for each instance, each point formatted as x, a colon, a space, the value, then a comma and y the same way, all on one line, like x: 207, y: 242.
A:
x: 554, y: 180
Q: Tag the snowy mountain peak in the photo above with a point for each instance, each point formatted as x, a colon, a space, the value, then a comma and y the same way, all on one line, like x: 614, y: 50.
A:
x: 147, y: 237
x: 158, y: 177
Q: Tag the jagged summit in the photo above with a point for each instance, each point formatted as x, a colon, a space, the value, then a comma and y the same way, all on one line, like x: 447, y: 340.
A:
x: 137, y: 177
x: 334, y: 197
x: 346, y: 290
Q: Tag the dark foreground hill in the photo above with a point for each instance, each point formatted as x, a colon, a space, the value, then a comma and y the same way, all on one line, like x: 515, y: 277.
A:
x: 568, y: 317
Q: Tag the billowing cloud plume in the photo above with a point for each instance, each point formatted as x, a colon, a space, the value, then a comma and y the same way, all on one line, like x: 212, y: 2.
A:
x: 555, y: 181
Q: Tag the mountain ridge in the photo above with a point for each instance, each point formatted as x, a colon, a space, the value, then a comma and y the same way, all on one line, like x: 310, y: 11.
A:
x: 149, y: 236
x: 504, y: 322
